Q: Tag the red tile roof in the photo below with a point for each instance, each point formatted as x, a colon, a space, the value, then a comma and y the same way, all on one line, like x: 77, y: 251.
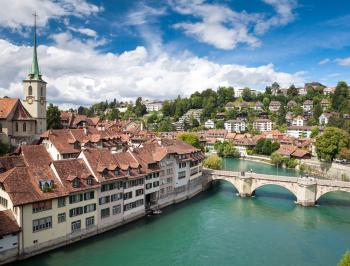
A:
x: 8, y: 223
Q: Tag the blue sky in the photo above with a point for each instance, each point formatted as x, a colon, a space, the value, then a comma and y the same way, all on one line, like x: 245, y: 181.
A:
x: 96, y: 50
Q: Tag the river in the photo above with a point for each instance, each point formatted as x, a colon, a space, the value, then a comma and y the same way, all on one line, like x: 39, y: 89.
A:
x: 219, y: 228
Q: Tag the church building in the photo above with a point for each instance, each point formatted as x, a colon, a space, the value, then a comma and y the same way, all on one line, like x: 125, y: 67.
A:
x: 22, y: 122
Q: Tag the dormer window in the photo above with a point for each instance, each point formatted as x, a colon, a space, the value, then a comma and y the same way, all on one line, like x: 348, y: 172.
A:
x: 76, y: 145
x: 104, y: 173
x: 117, y: 172
x: 2, y: 169
x: 89, y: 180
x: 76, y: 183
x: 139, y: 169
x: 129, y: 171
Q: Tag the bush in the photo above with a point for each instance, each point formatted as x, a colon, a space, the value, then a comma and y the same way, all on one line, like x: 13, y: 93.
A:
x: 226, y: 149
x: 345, y: 261
x: 213, y: 162
x: 276, y: 159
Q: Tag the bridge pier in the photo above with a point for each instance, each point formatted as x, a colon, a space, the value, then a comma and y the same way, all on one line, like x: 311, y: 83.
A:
x: 245, y: 186
x: 306, y: 193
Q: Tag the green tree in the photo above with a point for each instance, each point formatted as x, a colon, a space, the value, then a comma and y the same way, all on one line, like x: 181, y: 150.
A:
x: 226, y: 149
x: 317, y: 110
x: 213, y: 162
x: 53, y: 117
x: 4, y: 148
x: 165, y: 125
x: 314, y: 132
x: 345, y: 260
x: 246, y: 94
x: 191, y: 139
x: 331, y: 142
x: 281, y: 115
x: 140, y: 108
x: 292, y: 91
x: 225, y: 95
x: 276, y: 159
x: 340, y: 95
x: 113, y: 114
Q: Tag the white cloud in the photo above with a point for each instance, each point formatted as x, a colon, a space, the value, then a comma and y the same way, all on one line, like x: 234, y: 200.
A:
x: 225, y: 28
x: 284, y: 14
x: 17, y: 14
x: 85, y: 31
x: 143, y: 14
x: 77, y: 74
x: 324, y: 61
x: 343, y: 61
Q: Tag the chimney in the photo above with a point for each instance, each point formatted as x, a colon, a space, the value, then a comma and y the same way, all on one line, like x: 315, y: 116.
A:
x: 85, y: 129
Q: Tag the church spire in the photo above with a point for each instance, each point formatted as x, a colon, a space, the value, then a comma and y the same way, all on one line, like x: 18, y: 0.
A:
x: 35, y: 73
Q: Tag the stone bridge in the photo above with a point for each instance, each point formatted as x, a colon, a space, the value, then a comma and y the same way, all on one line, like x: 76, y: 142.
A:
x: 306, y: 190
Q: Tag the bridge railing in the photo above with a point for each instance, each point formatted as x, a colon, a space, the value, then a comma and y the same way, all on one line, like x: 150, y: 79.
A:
x: 322, y: 182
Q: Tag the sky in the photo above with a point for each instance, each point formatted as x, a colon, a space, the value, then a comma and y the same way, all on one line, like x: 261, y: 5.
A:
x: 93, y: 50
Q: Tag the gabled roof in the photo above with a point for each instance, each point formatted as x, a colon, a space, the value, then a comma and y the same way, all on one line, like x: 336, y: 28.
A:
x: 12, y: 109
x: 71, y: 169
x: 8, y: 223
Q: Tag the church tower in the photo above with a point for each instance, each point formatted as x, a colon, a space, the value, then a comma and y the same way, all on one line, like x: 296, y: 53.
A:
x: 34, y: 91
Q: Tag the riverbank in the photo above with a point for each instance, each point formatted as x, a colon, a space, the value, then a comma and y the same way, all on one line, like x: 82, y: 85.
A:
x: 218, y: 228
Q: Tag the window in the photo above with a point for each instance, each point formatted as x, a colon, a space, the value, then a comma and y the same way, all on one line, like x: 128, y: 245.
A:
x: 149, y: 185
x: 41, y: 206
x: 76, y: 226
x: 139, y: 192
x: 42, y: 224
x: 181, y: 174
x: 90, y: 208
x: 24, y: 127
x: 16, y: 127
x: 75, y: 211
x: 128, y: 195
x: 116, y: 209
x: 103, y: 200
x: 75, y: 198
x: 3, y: 202
x: 61, y: 202
x: 117, y: 196
x: 41, y: 92
x: 133, y: 205
x: 0, y: 127
x: 89, y: 180
x: 61, y: 217
x: 105, y: 213
x: 90, y: 221
x: 110, y: 186
x: 76, y: 183
x: 182, y: 165
x: 156, y: 184
x: 116, y: 172
x: 104, y: 173
x: 89, y: 195
x: 30, y: 90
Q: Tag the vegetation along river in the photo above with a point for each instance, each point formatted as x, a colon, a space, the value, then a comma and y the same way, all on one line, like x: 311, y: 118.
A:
x: 219, y: 228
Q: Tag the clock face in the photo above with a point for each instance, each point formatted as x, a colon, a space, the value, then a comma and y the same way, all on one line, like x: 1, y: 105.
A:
x: 30, y: 100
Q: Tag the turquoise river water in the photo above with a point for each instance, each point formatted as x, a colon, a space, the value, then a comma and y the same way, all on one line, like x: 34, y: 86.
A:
x: 219, y: 228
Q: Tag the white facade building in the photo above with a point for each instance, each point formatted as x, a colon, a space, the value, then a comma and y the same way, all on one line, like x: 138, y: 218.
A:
x: 209, y: 124
x: 235, y: 126
x: 262, y: 125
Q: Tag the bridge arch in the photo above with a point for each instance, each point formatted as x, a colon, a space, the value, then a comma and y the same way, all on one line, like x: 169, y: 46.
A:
x: 330, y: 190
x: 232, y: 181
x: 287, y: 187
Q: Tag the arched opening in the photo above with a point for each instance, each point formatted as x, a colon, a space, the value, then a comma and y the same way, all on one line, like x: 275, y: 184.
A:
x: 30, y: 90
x: 225, y: 186
x: 24, y: 127
x: 16, y: 126
x: 41, y: 91
x: 335, y: 197
x: 274, y: 191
